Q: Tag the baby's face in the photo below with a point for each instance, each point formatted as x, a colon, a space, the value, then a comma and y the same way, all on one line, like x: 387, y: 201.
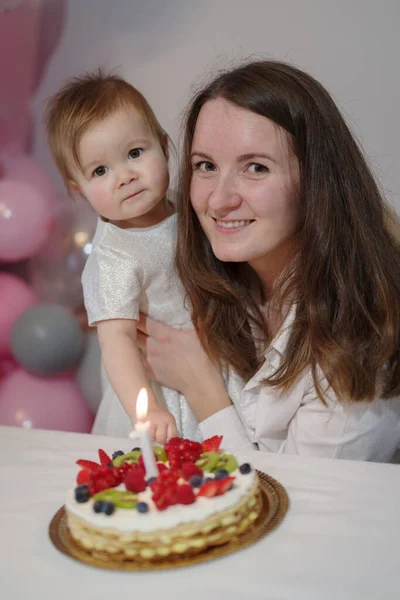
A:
x: 124, y: 172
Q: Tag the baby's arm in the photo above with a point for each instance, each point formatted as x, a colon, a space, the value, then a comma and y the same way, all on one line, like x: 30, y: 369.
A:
x: 122, y: 362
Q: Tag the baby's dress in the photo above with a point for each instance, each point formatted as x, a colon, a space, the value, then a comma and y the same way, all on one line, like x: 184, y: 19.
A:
x: 131, y: 271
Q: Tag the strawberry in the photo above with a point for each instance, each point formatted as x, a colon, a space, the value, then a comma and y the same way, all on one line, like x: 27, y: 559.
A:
x: 212, y: 444
x: 209, y: 489
x: 189, y: 469
x: 225, y: 484
x: 185, y: 494
x: 104, y: 458
x: 83, y: 476
x: 87, y: 464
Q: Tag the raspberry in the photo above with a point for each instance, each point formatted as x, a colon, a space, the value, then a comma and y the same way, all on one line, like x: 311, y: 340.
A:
x: 171, y: 495
x: 134, y: 480
x: 185, y: 494
x: 189, y: 469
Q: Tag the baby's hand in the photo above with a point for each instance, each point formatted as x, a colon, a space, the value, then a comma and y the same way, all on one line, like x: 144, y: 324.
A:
x: 162, y: 425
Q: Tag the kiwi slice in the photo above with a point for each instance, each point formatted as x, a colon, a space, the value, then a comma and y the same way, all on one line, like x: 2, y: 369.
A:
x: 208, y: 461
x: 227, y: 462
x: 121, y: 498
x: 129, y: 457
x: 160, y: 453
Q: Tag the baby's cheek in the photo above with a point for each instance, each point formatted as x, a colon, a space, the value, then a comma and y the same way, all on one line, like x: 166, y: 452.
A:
x: 101, y: 197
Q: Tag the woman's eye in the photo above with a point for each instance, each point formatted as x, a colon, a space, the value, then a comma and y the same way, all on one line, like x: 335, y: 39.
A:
x: 135, y: 152
x: 257, y: 169
x: 204, y: 165
x: 99, y: 171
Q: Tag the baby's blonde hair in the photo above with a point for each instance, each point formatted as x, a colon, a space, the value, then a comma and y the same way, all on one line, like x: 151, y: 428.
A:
x: 85, y: 101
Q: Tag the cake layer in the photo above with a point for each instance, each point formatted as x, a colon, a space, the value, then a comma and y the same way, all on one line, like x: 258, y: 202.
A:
x: 131, y: 520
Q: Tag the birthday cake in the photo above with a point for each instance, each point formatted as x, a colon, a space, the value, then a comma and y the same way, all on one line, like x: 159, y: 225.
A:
x: 202, y: 497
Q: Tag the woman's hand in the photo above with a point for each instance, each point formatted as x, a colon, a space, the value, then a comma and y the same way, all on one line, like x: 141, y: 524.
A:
x: 176, y: 359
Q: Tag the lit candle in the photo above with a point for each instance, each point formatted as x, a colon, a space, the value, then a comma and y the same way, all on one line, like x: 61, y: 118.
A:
x: 141, y: 432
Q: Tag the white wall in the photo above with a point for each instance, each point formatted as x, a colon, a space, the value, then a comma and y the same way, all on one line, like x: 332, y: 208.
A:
x: 164, y: 46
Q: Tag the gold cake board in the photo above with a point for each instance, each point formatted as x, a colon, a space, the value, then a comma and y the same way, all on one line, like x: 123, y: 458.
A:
x: 275, y: 503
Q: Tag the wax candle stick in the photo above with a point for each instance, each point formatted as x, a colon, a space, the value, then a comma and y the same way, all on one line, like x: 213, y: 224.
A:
x: 142, y: 433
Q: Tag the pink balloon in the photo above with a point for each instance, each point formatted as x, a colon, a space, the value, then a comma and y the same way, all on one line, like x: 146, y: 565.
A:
x: 25, y: 220
x: 43, y: 403
x: 7, y: 366
x: 15, y: 297
x: 20, y: 167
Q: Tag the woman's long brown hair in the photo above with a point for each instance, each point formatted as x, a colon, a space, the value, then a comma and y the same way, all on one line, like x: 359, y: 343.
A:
x: 345, y: 279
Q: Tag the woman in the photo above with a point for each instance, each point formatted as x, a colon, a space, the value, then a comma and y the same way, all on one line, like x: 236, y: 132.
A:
x: 292, y: 274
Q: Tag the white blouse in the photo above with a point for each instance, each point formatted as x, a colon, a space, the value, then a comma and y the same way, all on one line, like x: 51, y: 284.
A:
x: 297, y: 422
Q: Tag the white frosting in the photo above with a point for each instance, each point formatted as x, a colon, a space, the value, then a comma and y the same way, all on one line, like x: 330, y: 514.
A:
x: 131, y: 520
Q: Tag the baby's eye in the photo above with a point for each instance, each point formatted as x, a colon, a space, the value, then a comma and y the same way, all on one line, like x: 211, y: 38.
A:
x: 257, y: 169
x: 99, y: 171
x: 135, y: 152
x: 204, y: 165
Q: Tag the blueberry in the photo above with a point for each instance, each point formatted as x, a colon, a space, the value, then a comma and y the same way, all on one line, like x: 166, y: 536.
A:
x: 108, y: 508
x: 208, y: 479
x: 245, y: 468
x: 221, y: 474
x: 196, y: 481
x: 117, y: 453
x: 98, y: 506
x: 135, y: 448
x: 151, y: 480
x: 82, y: 493
x: 142, y: 507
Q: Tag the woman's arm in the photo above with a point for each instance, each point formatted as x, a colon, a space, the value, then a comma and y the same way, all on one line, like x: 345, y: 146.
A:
x: 123, y: 365
x: 176, y: 359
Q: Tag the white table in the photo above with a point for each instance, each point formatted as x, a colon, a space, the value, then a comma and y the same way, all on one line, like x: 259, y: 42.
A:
x: 340, y: 539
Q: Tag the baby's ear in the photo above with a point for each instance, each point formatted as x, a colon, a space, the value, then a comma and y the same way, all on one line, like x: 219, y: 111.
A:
x: 72, y: 185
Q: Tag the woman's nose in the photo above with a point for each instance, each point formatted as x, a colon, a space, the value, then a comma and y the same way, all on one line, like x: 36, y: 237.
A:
x: 224, y: 197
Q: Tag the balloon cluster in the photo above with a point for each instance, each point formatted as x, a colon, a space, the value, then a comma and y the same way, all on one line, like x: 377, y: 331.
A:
x: 49, y: 362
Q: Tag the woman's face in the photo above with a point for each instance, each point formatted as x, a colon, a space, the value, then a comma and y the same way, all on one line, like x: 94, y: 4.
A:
x: 244, y: 187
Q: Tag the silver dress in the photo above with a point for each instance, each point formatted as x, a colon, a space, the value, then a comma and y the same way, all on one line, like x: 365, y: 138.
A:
x: 131, y: 271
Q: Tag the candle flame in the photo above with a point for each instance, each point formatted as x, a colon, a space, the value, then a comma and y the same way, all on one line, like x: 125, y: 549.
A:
x: 141, y: 405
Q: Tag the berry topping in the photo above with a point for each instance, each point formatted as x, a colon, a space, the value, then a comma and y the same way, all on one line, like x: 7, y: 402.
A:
x: 185, y: 494
x: 245, y: 468
x: 221, y: 474
x: 83, y: 476
x: 135, y: 449
x: 134, y: 480
x: 216, y: 487
x: 104, y: 458
x: 212, y: 444
x: 87, y: 464
x: 82, y: 493
x: 117, y: 453
x: 108, y: 508
x: 189, y: 469
x: 196, y: 481
x: 142, y: 507
x: 98, y: 506
x: 151, y: 480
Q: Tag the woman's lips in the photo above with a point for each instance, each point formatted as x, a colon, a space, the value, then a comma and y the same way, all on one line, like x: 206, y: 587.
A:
x: 232, y: 225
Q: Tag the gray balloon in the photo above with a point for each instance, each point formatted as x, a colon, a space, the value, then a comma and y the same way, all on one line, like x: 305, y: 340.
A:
x: 47, y: 339
x: 88, y: 376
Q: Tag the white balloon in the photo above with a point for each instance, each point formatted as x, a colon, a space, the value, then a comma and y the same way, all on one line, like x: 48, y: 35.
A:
x: 88, y: 375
